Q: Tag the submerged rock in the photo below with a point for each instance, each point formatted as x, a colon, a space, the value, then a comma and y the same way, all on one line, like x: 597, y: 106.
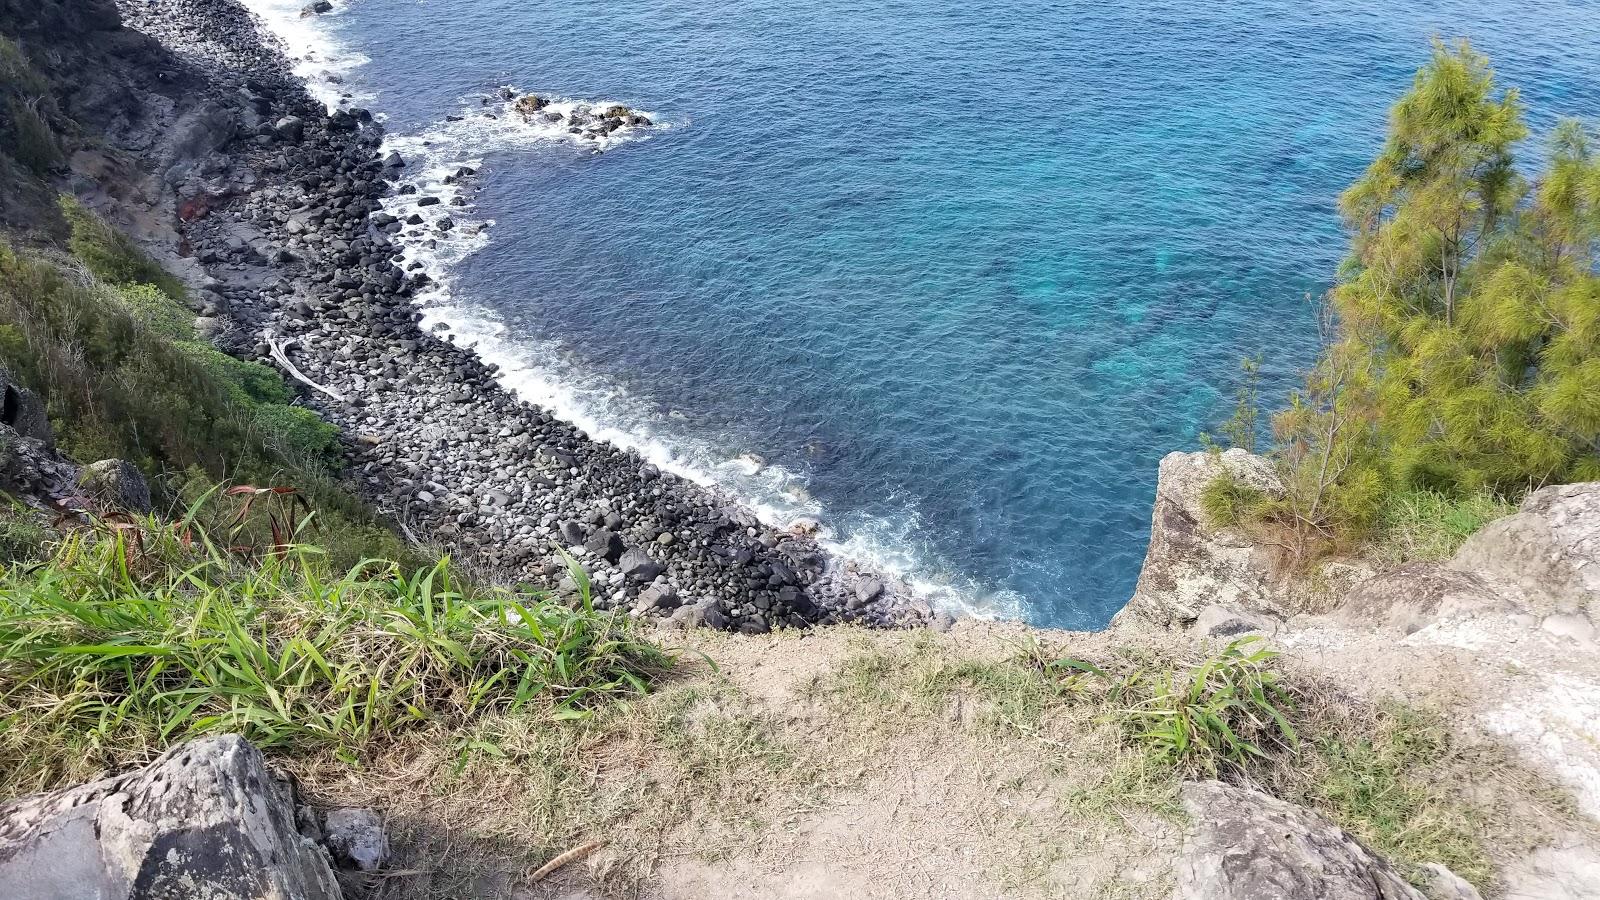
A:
x: 529, y: 104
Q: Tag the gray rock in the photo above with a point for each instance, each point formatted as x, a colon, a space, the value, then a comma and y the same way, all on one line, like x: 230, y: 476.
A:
x: 289, y: 128
x: 605, y: 544
x: 1245, y: 845
x: 638, y: 567
x: 1547, y: 554
x: 660, y: 596
x: 356, y: 838
x: 23, y: 411
x: 117, y: 484
x: 1413, y: 596
x: 868, y: 590
x: 203, y: 820
x: 571, y: 533
x: 1189, y: 565
x: 1218, y: 621
x: 1439, y: 883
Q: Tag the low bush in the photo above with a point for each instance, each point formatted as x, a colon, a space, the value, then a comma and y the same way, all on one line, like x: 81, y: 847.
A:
x: 1228, y: 501
x: 111, y: 255
x: 1221, y: 714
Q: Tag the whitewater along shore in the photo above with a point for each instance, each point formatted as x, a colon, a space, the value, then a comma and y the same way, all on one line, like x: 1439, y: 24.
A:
x: 295, y: 263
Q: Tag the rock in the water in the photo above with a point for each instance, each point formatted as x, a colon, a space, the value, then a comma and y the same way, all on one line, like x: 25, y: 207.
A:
x: 1245, y: 845
x: 316, y: 9
x: 529, y: 104
x: 117, y: 484
x: 356, y: 838
x: 204, y: 820
x: 1190, y: 565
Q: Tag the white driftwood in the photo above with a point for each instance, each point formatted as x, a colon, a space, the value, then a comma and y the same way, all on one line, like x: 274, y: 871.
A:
x: 278, y: 350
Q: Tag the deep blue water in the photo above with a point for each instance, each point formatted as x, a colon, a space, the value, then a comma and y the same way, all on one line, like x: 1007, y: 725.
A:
x: 964, y: 271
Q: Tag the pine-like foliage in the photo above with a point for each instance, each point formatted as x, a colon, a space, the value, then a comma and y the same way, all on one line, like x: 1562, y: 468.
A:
x: 1468, y: 348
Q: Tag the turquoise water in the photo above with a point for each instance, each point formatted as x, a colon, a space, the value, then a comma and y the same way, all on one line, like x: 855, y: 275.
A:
x: 960, y: 273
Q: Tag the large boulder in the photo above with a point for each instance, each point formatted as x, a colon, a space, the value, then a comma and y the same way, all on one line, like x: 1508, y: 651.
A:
x: 1413, y: 596
x: 23, y: 411
x: 1245, y: 845
x: 116, y: 484
x: 1190, y: 565
x: 205, y: 820
x: 1547, y: 555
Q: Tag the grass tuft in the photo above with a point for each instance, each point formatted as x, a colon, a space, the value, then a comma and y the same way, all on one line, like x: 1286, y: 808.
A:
x: 1423, y: 525
x: 1228, y: 501
x: 1222, y: 714
x: 132, y: 638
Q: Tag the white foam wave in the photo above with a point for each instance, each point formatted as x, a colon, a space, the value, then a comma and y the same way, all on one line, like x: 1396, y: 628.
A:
x: 310, y: 43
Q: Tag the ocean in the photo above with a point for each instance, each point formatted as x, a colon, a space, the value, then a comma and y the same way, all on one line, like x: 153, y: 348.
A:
x: 949, y: 279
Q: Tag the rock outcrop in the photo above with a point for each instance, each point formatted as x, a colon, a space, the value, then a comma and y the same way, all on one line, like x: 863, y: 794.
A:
x: 1190, y: 565
x: 1246, y: 845
x: 205, y: 821
x: 116, y: 484
x: 1547, y: 555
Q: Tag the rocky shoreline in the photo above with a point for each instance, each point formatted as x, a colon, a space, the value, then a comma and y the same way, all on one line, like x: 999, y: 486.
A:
x: 283, y: 232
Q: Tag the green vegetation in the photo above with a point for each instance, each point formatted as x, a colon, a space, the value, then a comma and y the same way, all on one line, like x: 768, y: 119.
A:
x: 1466, y: 359
x: 1393, y: 776
x: 22, y: 538
x: 26, y: 110
x: 1423, y: 525
x: 114, y: 353
x: 1380, y: 784
x: 1227, y: 501
x: 1225, y: 712
x: 112, y: 257
x: 133, y: 637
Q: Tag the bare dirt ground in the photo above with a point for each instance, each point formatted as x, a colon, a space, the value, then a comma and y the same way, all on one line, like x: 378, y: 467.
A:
x: 841, y: 763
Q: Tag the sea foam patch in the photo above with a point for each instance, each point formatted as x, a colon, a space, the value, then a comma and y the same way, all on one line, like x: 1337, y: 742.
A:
x: 310, y: 42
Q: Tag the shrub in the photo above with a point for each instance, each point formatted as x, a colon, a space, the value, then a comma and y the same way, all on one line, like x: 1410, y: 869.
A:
x: 1223, y: 713
x: 31, y: 141
x: 22, y: 539
x: 1227, y: 501
x: 123, y: 375
x: 138, y: 637
x: 1466, y: 357
x: 110, y: 255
